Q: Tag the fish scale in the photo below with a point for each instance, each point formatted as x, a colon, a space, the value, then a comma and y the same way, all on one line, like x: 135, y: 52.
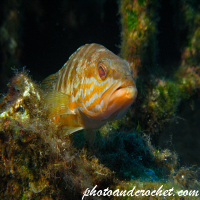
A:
x: 93, y: 87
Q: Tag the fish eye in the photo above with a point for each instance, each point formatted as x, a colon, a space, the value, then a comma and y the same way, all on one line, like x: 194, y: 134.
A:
x: 102, y: 70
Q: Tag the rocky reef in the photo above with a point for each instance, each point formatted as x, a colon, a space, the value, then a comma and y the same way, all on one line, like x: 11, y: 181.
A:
x: 38, y: 163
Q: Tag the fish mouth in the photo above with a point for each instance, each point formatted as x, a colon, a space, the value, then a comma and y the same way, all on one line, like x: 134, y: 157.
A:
x: 125, y: 92
x: 119, y: 98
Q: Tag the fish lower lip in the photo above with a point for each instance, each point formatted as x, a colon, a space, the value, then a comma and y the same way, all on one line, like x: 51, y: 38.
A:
x: 128, y: 86
x: 122, y: 91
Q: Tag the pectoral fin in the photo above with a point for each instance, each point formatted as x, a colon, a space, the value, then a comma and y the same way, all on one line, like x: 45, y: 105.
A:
x: 58, y: 103
x: 70, y: 130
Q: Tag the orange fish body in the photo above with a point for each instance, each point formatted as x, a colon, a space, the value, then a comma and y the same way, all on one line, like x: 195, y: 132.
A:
x: 93, y: 87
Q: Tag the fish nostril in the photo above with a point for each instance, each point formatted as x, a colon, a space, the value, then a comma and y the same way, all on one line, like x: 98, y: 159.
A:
x: 128, y: 76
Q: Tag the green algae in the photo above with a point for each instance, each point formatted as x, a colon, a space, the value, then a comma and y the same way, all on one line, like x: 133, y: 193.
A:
x: 159, y: 96
x: 131, y: 19
x: 141, y: 2
x: 139, y: 32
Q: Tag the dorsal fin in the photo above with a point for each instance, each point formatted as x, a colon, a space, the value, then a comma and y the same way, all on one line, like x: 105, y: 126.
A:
x: 49, y: 82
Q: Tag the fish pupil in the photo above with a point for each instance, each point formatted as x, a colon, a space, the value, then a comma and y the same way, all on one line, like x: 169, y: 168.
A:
x: 102, y: 72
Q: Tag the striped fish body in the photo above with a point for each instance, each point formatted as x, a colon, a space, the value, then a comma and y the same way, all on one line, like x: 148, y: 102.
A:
x: 93, y: 87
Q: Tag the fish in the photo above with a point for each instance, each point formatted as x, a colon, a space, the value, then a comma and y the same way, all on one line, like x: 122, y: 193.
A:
x: 93, y: 87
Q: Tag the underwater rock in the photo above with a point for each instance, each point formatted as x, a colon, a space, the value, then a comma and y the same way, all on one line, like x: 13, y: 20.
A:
x: 38, y: 163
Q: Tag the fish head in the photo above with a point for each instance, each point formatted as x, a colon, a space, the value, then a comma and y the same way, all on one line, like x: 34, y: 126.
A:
x: 121, y: 92
x: 113, y: 88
